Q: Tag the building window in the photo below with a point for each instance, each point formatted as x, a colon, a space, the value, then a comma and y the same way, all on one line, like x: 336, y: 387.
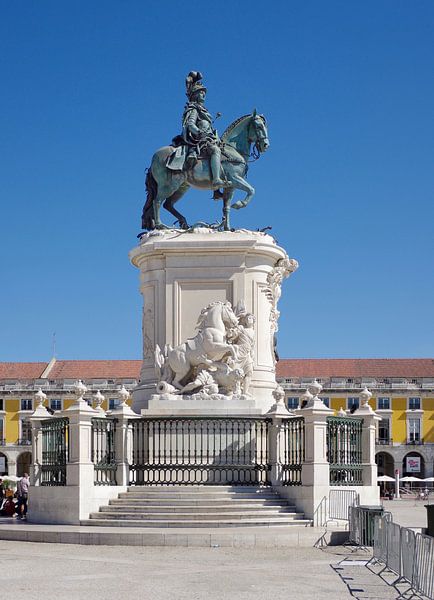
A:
x: 26, y: 404
x: 326, y: 401
x: 383, y: 403
x: 26, y: 432
x: 414, y: 403
x: 413, y: 430
x: 384, y: 431
x: 1, y: 404
x: 2, y: 431
x: 113, y: 403
x: 55, y: 404
x: 353, y: 403
x: 292, y: 403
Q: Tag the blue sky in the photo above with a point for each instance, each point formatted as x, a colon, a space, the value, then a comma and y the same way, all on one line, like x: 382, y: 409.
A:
x: 91, y: 89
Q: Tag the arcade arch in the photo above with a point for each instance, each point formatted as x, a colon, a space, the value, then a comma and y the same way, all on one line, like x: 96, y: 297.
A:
x: 385, y: 463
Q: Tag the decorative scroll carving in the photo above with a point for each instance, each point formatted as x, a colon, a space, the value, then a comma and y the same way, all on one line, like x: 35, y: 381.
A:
x: 282, y: 269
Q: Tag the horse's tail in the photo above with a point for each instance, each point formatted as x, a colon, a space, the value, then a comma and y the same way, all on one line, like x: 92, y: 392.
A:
x: 151, y: 187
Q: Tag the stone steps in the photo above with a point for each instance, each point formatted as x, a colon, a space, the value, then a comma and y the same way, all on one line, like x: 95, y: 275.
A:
x: 197, y: 506
x: 208, y: 515
x: 188, y: 508
x: 185, y: 523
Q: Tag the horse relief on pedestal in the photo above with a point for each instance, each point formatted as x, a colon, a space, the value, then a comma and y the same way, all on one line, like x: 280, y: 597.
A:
x: 199, y: 158
x: 217, y: 362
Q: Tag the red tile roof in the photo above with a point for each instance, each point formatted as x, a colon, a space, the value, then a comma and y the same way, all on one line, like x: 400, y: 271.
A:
x: 95, y: 369
x: 356, y: 367
x: 287, y: 367
x: 22, y: 370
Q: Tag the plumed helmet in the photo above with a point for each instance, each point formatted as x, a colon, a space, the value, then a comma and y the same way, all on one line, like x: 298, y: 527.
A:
x: 193, y: 83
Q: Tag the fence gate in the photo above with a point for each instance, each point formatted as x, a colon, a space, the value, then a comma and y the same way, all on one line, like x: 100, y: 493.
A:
x: 54, y: 451
x: 199, y: 450
x: 344, y: 450
x: 103, y: 450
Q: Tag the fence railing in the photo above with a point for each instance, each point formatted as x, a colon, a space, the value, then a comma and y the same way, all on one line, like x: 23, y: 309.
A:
x: 196, y: 450
x: 55, y: 440
x: 408, y: 554
x: 344, y: 450
x: 103, y: 450
x: 291, y: 451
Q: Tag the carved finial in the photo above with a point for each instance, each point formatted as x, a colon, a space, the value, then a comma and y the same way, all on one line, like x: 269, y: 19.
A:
x: 99, y: 399
x: 365, y: 396
x: 40, y: 398
x: 314, y: 388
x: 79, y: 390
x: 124, y: 395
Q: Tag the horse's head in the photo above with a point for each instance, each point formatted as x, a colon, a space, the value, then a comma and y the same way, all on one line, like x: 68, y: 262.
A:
x: 228, y: 316
x: 258, y: 133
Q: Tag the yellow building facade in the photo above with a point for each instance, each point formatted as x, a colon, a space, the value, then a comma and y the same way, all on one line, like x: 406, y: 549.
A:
x: 403, y: 397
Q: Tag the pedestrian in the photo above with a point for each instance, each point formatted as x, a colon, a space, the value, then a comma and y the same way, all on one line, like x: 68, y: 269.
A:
x: 23, y: 495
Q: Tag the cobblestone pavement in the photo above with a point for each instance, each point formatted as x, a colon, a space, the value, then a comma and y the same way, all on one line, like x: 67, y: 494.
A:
x: 50, y: 571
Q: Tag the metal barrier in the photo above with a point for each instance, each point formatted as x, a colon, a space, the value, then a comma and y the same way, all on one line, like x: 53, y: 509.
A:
x: 362, y: 524
x: 408, y: 551
x: 393, y: 560
x: 379, y: 550
x: 402, y: 551
x: 423, y: 571
x: 339, y: 503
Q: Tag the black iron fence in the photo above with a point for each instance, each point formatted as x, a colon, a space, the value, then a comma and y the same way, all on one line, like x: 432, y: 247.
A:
x: 196, y: 450
x: 291, y: 451
x: 344, y: 450
x: 103, y: 453
x: 55, y: 452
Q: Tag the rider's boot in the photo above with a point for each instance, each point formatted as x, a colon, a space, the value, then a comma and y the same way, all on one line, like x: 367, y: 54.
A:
x: 215, y: 169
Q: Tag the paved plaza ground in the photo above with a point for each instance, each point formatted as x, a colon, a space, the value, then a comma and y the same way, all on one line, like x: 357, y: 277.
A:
x: 49, y: 571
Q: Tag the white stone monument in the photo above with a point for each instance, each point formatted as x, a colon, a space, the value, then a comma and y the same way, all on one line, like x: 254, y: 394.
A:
x: 209, y: 321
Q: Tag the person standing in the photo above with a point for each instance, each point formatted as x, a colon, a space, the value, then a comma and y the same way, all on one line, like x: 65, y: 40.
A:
x: 23, y: 495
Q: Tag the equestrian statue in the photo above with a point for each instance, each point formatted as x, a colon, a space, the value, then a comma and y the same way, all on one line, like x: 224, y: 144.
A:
x: 199, y: 158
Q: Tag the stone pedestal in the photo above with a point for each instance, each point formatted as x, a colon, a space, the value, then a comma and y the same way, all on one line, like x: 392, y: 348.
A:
x: 182, y: 272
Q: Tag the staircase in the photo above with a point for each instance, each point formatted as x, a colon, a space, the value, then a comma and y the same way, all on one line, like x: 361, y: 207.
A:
x: 198, y: 506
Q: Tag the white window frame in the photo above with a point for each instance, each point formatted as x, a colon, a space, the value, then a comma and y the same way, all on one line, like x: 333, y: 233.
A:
x: 384, y: 398
x: 292, y: 398
x: 353, y: 398
x: 414, y: 398
x: 413, y: 416
x: 26, y: 410
x: 385, y: 416
x: 57, y: 400
x: 20, y: 428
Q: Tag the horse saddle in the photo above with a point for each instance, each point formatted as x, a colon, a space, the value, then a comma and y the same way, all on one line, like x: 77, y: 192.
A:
x: 176, y: 160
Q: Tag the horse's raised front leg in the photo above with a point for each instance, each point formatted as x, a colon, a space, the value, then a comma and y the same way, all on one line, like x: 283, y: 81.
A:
x: 241, y: 184
x: 170, y: 201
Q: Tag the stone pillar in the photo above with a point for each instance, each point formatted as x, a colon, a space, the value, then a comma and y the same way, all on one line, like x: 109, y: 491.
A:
x: 315, y: 475
x: 40, y: 414
x: 79, y: 469
x: 370, y: 419
x: 123, y: 437
x: 278, y: 413
x: 182, y: 272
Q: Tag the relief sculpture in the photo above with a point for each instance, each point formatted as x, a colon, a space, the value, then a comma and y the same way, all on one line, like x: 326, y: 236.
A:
x: 217, y: 362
